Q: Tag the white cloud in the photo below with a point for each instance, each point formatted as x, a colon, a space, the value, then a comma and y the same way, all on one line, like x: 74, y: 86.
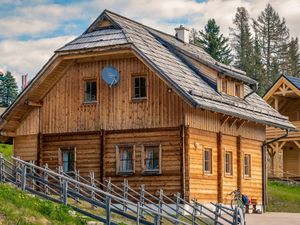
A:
x: 37, y: 18
x: 28, y: 57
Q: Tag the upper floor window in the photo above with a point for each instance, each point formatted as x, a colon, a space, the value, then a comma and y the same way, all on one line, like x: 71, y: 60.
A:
x: 237, y: 90
x: 207, y: 161
x: 151, y: 158
x: 247, y: 165
x: 125, y: 159
x: 90, y: 92
x: 139, y: 87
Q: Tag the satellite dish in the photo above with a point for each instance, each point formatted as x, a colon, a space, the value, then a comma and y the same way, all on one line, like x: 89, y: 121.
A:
x: 110, y: 75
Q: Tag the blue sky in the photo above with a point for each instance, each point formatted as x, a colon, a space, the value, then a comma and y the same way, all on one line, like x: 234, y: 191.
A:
x: 31, y: 30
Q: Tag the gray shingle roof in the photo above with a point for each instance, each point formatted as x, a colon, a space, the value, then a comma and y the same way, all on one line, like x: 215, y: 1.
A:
x: 294, y: 80
x: 164, y: 52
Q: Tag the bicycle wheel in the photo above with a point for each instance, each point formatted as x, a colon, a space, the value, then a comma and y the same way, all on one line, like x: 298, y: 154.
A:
x: 234, y: 203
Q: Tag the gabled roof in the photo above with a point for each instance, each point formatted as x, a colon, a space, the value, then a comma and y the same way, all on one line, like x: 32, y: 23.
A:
x: 294, y: 80
x: 291, y: 83
x: 171, y: 59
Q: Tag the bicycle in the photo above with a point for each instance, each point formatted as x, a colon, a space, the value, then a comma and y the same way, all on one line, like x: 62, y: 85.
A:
x: 237, y: 199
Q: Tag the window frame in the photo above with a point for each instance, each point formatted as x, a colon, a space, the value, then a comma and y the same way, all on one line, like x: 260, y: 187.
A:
x: 146, y: 171
x: 61, y: 151
x: 133, y: 77
x: 118, y: 159
x: 224, y: 80
x: 237, y: 86
x: 248, y: 175
x: 208, y: 172
x: 90, y: 80
x: 230, y: 173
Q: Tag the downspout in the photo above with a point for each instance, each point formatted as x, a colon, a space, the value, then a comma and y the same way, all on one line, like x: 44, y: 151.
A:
x: 264, y: 176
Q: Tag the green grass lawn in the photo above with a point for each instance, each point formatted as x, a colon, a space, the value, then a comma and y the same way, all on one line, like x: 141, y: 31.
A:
x: 17, y: 207
x: 283, y: 197
x: 6, y: 151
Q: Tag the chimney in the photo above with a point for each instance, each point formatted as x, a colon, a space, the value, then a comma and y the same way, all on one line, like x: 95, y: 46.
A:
x: 24, y: 81
x: 182, y: 33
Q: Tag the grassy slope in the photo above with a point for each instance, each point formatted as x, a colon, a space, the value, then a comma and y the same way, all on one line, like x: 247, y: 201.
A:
x: 6, y: 150
x: 17, y: 207
x: 283, y: 198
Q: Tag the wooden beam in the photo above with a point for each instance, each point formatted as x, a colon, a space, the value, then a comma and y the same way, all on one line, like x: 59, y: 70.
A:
x: 239, y: 162
x: 297, y: 143
x: 240, y: 123
x: 224, y: 118
x: 7, y: 134
x: 34, y: 104
x: 220, y: 168
x: 232, y: 122
x: 276, y: 103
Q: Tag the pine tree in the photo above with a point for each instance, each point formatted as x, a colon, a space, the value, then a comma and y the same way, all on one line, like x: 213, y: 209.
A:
x: 8, y: 90
x: 241, y: 42
x: 294, y: 58
x: 272, y: 39
x: 214, y: 43
x: 258, y: 72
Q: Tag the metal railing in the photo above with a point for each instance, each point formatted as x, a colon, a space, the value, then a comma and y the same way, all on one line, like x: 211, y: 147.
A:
x: 134, y: 205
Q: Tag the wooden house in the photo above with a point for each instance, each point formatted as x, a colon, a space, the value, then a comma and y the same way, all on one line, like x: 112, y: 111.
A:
x: 164, y: 114
x: 284, y: 154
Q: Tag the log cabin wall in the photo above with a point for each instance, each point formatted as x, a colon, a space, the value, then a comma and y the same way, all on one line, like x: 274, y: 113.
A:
x: 170, y: 140
x: 25, y: 147
x: 115, y: 109
x: 217, y: 185
x: 86, y: 146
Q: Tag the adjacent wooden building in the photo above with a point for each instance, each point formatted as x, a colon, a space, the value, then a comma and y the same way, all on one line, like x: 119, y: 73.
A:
x: 165, y: 114
x: 284, y: 154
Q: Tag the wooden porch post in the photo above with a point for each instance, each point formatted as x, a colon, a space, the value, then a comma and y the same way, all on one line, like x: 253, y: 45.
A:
x: 220, y: 168
x: 239, y: 162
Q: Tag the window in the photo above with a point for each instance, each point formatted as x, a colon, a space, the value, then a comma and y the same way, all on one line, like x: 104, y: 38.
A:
x: 207, y: 161
x: 151, y: 156
x: 237, y: 90
x: 224, y: 85
x: 247, y: 165
x: 90, y: 93
x: 139, y: 87
x: 228, y: 163
x: 125, y: 159
x: 68, y: 160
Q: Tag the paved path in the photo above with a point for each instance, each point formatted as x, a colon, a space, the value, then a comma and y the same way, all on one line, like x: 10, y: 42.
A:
x: 273, y: 219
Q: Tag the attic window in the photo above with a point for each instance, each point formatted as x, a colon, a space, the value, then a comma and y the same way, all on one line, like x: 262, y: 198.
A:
x: 224, y: 85
x: 237, y: 90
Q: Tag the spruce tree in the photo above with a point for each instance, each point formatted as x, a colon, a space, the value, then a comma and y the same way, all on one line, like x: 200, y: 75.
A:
x: 272, y: 39
x: 8, y: 90
x: 294, y: 58
x: 214, y: 43
x: 241, y: 42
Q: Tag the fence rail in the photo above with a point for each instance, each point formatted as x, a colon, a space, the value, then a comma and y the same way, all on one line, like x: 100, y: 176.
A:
x: 139, y: 205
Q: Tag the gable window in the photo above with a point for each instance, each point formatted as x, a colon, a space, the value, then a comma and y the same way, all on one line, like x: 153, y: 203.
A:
x: 125, y: 159
x: 224, y: 85
x: 207, y: 161
x: 90, y: 92
x: 68, y: 157
x: 151, y: 156
x: 237, y: 90
x: 228, y: 163
x: 247, y: 165
x: 139, y: 87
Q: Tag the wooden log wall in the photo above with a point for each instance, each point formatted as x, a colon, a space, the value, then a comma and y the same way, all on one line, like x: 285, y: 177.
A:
x: 217, y: 186
x: 87, y: 151
x: 170, y: 140
x: 25, y: 147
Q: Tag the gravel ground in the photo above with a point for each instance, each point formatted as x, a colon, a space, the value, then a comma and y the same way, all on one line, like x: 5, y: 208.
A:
x: 273, y: 218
